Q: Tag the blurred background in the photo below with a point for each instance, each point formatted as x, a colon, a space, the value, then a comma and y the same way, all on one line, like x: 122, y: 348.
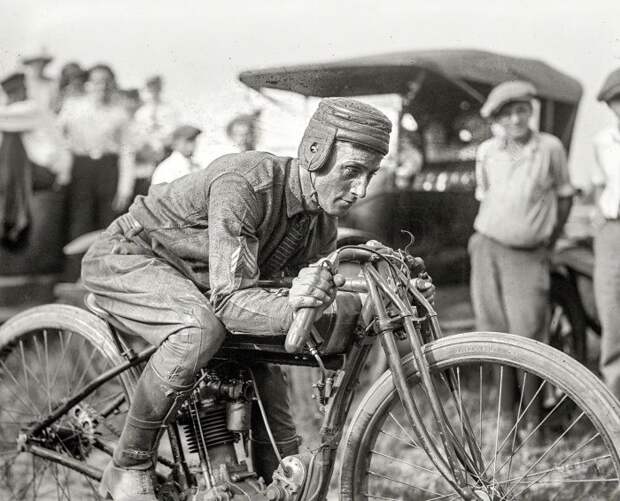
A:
x: 199, y: 47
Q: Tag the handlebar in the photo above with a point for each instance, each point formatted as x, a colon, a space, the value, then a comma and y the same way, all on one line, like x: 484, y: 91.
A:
x: 299, y: 330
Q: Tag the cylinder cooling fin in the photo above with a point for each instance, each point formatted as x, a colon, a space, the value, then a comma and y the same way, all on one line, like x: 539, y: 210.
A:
x: 213, y: 425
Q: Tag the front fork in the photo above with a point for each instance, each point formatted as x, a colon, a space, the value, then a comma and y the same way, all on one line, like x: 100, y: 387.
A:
x: 449, y: 466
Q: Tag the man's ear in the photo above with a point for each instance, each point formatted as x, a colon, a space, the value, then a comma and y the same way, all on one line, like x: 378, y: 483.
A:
x: 316, y: 146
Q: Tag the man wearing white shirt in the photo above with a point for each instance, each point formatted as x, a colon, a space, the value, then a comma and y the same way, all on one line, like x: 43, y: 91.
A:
x: 32, y: 156
x: 606, y: 181
x: 180, y: 162
x: 151, y: 130
x: 39, y: 133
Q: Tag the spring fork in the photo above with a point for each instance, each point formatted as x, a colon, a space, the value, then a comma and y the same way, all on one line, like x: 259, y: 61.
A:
x: 451, y: 381
x: 456, y: 480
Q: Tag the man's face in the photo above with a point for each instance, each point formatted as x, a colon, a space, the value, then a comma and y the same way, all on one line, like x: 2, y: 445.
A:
x: 345, y: 177
x: 100, y: 84
x: 514, y: 118
x: 614, y: 105
x: 36, y: 67
x: 242, y: 136
x: 185, y: 147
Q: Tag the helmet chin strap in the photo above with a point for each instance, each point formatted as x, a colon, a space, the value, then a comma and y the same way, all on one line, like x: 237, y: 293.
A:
x: 314, y: 196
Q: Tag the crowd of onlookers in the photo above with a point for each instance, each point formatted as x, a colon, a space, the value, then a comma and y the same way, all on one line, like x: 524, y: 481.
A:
x: 102, y: 143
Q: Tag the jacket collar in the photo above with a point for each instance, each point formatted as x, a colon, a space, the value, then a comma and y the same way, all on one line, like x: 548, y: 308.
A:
x: 529, y: 147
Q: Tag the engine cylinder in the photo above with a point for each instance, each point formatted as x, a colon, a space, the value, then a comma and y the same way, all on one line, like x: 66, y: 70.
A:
x: 213, y: 429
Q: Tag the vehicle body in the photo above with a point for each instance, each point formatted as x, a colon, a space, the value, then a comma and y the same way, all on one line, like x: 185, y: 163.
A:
x: 432, y: 427
x: 430, y: 188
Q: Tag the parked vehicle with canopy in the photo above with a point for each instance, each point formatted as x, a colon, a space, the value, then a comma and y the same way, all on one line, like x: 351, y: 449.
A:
x: 429, y: 187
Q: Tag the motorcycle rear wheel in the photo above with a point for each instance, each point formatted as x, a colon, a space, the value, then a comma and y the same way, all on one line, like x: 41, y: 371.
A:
x: 46, y: 354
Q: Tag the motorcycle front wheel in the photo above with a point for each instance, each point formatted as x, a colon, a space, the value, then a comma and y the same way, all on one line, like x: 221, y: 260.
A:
x: 513, y: 444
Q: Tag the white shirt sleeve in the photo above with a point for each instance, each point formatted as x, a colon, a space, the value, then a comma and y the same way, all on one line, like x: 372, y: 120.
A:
x: 20, y: 117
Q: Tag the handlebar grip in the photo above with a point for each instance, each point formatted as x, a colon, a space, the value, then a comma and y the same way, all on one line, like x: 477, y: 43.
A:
x: 299, y: 331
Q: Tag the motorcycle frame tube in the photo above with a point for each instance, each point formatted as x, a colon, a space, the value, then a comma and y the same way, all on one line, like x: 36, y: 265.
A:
x: 336, y: 412
x: 90, y: 388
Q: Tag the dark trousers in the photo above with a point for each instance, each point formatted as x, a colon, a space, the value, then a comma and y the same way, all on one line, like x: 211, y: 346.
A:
x: 91, y: 192
x: 510, y: 293
x: 607, y: 294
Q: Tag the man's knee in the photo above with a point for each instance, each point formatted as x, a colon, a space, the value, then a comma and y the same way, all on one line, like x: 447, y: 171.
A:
x: 189, y: 349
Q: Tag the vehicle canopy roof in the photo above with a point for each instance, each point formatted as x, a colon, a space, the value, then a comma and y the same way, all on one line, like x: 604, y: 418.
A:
x: 392, y: 72
x: 439, y: 78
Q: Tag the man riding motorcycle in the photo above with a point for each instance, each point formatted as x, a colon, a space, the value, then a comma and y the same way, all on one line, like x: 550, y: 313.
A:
x: 181, y: 267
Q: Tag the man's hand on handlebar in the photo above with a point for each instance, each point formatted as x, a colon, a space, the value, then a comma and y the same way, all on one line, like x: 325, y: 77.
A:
x: 314, y: 287
x: 426, y: 287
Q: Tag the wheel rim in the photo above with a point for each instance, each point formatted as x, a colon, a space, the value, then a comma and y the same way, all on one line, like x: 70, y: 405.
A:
x: 38, y: 371
x: 555, y: 453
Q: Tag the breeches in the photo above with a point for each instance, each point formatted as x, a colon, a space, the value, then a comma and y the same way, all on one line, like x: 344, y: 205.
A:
x: 153, y: 299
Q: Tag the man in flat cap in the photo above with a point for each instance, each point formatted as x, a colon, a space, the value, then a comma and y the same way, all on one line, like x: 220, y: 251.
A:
x: 181, y: 268
x: 180, y: 162
x: 606, y: 181
x: 41, y: 88
x: 525, y: 196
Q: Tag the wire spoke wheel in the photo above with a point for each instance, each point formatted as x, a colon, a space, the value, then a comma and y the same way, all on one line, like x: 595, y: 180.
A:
x: 40, y: 368
x: 510, y: 441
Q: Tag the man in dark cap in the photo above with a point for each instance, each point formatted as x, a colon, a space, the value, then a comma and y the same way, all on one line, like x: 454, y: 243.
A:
x: 181, y: 268
x: 606, y: 181
x: 242, y: 131
x: 179, y: 163
x: 525, y: 196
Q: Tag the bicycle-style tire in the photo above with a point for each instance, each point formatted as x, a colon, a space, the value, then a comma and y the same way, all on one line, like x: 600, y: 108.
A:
x: 46, y: 354
x: 382, y: 461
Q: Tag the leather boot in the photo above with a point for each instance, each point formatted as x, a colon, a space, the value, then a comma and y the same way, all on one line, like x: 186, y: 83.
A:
x: 129, y: 476
x: 265, y: 459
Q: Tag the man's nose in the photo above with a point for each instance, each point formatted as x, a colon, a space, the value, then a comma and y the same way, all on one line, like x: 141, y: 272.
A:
x: 359, y: 188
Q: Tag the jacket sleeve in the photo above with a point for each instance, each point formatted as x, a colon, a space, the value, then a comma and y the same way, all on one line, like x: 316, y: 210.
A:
x: 559, y: 171
x: 234, y: 217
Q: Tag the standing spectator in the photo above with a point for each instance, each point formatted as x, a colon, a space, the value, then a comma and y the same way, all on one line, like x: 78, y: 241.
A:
x: 152, y: 129
x: 606, y: 180
x: 32, y: 156
x: 40, y: 87
x: 242, y: 131
x: 95, y: 126
x: 130, y: 99
x: 525, y: 196
x: 180, y: 162
x: 70, y: 84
